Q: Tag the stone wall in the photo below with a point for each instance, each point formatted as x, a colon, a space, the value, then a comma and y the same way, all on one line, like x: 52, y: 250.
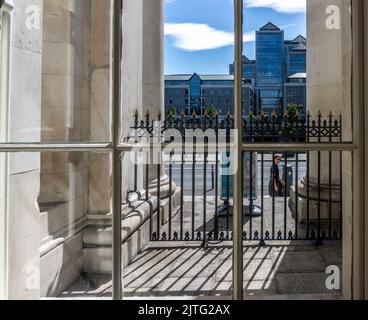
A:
x: 63, y: 197
x: 76, y: 77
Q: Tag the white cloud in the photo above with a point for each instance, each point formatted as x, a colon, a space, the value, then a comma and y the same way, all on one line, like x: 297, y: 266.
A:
x: 285, y: 6
x: 197, y: 37
x: 286, y: 26
x: 169, y: 1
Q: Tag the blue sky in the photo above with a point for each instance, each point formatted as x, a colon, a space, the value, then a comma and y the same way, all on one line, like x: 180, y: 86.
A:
x: 199, y: 33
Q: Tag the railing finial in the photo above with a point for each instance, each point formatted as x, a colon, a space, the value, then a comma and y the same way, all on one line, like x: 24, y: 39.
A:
x: 148, y: 118
x: 273, y: 114
x: 136, y: 115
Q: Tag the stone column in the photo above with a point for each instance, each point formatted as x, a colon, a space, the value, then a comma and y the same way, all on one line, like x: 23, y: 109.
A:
x: 23, y: 170
x: 153, y: 78
x: 328, y: 83
x: 131, y: 87
x: 99, y: 103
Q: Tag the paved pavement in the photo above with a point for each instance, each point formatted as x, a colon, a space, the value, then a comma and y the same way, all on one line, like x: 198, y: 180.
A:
x: 211, y: 178
x: 194, y: 272
x: 184, y: 270
x: 281, y: 271
x: 278, y: 223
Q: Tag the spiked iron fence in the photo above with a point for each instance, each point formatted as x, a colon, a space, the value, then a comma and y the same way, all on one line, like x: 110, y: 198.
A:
x: 205, y: 207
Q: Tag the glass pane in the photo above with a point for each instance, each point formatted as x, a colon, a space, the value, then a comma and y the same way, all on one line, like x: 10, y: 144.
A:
x: 287, y: 216
x: 60, y: 72
x: 181, y: 204
x: 294, y: 199
x: 58, y: 218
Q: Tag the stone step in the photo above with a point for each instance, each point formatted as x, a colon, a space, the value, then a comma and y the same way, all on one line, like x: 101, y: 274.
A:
x: 135, y: 234
x: 97, y: 260
x: 55, y: 221
x: 101, y: 235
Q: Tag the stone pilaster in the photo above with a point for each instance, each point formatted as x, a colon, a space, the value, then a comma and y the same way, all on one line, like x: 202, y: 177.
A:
x: 328, y: 90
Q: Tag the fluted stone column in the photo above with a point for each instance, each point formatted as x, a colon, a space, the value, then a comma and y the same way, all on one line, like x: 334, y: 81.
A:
x: 153, y: 78
x: 328, y: 90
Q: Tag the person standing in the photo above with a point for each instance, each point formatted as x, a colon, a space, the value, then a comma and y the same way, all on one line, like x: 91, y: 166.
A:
x: 276, y: 185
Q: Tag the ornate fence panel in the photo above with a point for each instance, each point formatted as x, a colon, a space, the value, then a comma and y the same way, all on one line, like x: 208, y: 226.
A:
x: 307, y: 205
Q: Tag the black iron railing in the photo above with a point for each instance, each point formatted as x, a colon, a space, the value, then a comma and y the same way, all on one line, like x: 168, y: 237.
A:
x: 309, y: 208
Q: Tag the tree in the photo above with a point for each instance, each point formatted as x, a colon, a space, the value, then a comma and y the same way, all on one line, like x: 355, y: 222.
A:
x: 171, y: 112
x: 212, y: 112
x: 293, y: 110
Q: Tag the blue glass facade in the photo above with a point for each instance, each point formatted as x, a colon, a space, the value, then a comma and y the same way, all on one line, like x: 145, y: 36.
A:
x: 270, y: 55
x: 297, y: 63
x: 276, y: 61
x: 274, y: 80
x: 188, y: 93
x: 249, y: 70
x: 195, y: 86
x: 270, y: 67
x: 295, y: 92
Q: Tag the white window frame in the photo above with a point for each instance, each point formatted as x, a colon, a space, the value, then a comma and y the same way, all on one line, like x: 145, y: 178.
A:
x: 6, y: 7
x: 117, y: 149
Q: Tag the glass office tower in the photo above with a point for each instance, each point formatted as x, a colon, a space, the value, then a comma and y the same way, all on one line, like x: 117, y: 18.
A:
x: 249, y: 70
x: 269, y: 67
x: 297, y: 60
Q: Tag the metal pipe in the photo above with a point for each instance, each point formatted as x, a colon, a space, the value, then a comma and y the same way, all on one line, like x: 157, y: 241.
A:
x: 237, y: 183
x: 205, y: 196
x: 296, y: 194
x: 262, y: 242
x: 193, y: 185
x: 170, y: 194
x: 286, y: 196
